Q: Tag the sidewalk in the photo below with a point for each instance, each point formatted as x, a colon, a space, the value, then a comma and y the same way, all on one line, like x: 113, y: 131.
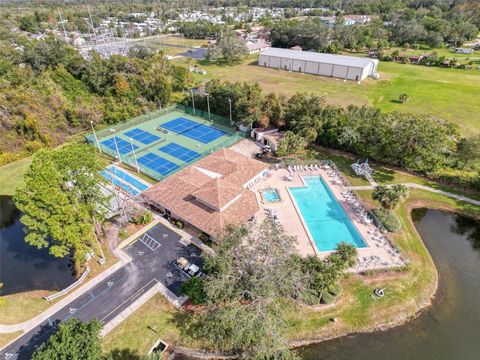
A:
x: 123, y: 260
x: 426, y: 188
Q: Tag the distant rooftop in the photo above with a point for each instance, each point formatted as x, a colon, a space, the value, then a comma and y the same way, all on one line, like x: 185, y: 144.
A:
x: 318, y: 57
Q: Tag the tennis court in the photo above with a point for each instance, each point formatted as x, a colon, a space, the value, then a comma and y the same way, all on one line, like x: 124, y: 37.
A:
x: 142, y: 136
x: 124, y: 147
x: 179, y: 152
x: 164, y: 142
x: 192, y: 129
x: 157, y: 163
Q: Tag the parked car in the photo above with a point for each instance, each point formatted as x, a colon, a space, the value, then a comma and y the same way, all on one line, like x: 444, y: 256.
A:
x: 188, y: 268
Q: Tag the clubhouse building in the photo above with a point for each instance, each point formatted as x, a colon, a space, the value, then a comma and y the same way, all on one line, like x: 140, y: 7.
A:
x: 212, y: 193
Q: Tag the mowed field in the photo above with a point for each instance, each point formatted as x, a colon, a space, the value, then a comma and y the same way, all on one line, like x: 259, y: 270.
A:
x: 451, y: 94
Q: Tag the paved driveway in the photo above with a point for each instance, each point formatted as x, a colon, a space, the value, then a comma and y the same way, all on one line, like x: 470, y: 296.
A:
x: 152, y: 256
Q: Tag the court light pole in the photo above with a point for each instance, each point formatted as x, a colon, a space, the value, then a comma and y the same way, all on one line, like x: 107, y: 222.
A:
x: 208, y: 106
x: 134, y: 154
x: 193, y: 101
x: 116, y: 145
x: 95, y: 136
x: 230, y: 106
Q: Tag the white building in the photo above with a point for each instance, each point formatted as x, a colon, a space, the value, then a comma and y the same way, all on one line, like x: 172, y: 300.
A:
x: 339, y: 66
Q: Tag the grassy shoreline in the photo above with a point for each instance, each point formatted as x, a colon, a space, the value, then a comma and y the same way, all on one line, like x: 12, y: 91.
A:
x: 409, y: 292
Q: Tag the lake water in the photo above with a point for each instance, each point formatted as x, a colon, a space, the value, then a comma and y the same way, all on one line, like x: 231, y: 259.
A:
x: 24, y: 267
x: 450, y: 329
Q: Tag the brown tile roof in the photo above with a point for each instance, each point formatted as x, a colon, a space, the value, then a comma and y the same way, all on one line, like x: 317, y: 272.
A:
x: 217, y: 193
x: 200, y: 193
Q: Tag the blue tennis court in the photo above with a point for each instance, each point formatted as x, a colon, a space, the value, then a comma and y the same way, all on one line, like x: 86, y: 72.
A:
x: 193, y: 130
x: 142, y: 136
x: 179, y: 152
x: 157, y: 163
x: 124, y: 147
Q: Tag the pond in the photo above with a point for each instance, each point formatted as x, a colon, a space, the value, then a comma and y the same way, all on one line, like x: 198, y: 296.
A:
x: 450, y: 328
x: 24, y: 267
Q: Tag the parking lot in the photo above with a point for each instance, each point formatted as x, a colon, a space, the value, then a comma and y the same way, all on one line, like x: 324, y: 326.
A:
x: 153, y: 254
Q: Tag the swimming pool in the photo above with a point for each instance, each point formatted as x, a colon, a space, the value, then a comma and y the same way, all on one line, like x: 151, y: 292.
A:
x: 326, y: 220
x: 270, y: 195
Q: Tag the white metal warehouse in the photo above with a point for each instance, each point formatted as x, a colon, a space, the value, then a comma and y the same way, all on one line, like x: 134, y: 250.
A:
x: 339, y: 66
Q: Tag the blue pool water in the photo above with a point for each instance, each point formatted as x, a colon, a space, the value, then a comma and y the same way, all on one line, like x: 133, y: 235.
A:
x: 325, y: 218
x: 271, y: 195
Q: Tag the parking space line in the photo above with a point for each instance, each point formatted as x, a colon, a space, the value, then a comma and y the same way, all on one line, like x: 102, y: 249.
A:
x: 150, y: 242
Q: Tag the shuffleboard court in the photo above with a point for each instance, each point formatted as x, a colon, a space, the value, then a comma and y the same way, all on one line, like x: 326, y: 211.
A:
x: 193, y: 130
x: 157, y: 163
x: 179, y: 152
x: 142, y: 136
x: 124, y: 147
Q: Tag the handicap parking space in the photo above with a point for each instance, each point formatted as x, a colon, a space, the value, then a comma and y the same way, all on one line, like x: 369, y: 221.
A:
x: 156, y: 251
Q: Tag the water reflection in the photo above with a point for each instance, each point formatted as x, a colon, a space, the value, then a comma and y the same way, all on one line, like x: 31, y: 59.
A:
x: 449, y: 329
x: 24, y: 267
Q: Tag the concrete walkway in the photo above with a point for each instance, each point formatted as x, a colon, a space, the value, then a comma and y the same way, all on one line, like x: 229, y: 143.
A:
x: 426, y: 188
x: 119, y: 254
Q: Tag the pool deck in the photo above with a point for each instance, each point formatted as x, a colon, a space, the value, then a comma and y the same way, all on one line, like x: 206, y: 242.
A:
x: 381, y: 250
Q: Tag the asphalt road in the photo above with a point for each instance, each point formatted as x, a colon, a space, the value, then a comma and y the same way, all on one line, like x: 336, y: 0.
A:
x: 151, y: 263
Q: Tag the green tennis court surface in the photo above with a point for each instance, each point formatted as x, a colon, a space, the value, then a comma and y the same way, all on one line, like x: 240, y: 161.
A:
x: 166, y: 143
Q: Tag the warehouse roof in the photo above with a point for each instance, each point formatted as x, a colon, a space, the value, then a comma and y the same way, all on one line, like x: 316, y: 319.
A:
x: 318, y: 57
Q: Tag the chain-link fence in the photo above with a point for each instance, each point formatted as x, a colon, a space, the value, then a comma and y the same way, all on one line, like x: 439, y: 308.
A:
x: 131, y: 158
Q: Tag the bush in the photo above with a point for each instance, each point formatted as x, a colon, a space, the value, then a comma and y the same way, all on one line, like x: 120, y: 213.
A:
x: 464, y: 178
x: 335, y: 289
x: 388, y: 219
x: 180, y: 224
x: 143, y: 218
x: 194, y: 288
x: 327, y: 298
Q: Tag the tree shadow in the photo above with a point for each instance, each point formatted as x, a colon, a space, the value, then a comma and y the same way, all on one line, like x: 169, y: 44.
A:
x: 383, y: 175
x: 396, y: 101
x: 125, y: 354
x: 42, y: 335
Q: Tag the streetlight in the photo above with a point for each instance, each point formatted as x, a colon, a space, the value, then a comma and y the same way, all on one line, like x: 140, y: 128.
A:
x: 230, y: 105
x: 193, y: 102
x: 134, y: 155
x: 208, y: 106
x: 95, y: 136
x: 116, y: 145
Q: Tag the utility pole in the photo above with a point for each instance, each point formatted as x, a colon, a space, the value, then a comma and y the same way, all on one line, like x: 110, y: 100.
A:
x: 134, y: 155
x: 116, y: 145
x: 91, y: 23
x: 193, y: 101
x: 95, y: 136
x: 63, y: 24
x: 208, y: 106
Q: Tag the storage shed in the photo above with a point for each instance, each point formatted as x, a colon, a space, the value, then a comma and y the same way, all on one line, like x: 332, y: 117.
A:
x: 339, y: 66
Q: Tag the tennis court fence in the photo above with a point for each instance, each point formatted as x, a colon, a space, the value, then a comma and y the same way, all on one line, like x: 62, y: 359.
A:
x: 219, y: 121
x: 130, y: 158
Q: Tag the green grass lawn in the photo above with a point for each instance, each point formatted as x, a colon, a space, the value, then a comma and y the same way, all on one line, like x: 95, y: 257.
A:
x: 451, y: 94
x: 355, y: 310
x: 11, y: 175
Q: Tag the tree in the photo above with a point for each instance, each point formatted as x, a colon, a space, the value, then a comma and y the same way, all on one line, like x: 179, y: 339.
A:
x: 73, y: 340
x: 60, y: 200
x: 290, y: 144
x: 390, y: 196
x: 194, y: 288
x: 403, y: 98
x: 252, y: 268
x: 322, y: 275
x: 469, y: 150
x: 228, y: 49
